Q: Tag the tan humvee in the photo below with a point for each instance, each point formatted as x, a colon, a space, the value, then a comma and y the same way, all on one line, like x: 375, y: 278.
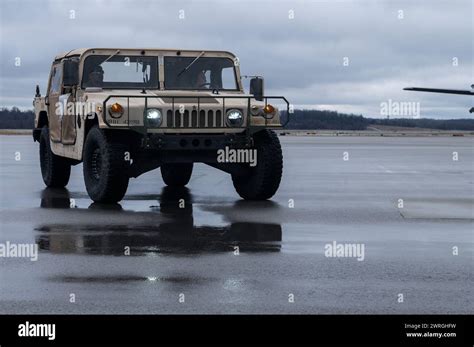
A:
x: 123, y: 112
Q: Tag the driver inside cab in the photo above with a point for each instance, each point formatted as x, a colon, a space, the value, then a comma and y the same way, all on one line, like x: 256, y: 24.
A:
x: 201, y: 81
x: 96, y: 77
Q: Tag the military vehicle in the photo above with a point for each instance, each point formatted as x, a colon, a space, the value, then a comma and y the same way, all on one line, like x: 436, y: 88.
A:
x: 124, y: 112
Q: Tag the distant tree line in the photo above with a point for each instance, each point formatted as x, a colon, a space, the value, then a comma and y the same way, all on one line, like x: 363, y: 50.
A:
x: 326, y: 120
x: 14, y: 118
x: 331, y: 120
x: 430, y: 123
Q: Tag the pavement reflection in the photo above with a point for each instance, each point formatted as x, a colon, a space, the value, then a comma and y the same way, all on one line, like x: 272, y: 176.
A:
x: 176, y: 233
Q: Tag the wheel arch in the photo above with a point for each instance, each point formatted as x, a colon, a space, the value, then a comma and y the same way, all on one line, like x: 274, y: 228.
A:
x: 42, y: 121
x: 90, y: 121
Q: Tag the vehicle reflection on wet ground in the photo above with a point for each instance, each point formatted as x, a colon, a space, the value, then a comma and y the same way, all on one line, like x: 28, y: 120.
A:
x: 175, y: 234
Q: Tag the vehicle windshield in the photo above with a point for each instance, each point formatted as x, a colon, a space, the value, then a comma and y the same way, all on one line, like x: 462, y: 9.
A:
x: 201, y: 73
x: 121, y: 72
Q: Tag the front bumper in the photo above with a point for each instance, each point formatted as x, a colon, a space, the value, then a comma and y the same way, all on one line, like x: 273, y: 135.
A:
x: 196, y: 142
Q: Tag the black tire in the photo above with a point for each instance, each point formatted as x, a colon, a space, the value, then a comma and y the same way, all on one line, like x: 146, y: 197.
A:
x: 263, y: 180
x: 176, y: 174
x: 55, y: 170
x: 106, y: 170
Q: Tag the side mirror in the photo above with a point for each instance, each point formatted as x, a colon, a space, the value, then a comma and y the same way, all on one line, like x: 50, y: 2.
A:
x: 70, y: 73
x: 256, y: 88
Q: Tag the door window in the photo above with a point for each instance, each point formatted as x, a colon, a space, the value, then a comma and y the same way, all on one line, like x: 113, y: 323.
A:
x: 56, y: 79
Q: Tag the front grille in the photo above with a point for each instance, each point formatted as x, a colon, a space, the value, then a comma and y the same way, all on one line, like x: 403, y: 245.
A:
x: 219, y: 118
x: 205, y: 119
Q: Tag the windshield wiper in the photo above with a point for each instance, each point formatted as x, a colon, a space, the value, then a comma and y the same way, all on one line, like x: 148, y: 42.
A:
x: 111, y: 56
x: 187, y: 67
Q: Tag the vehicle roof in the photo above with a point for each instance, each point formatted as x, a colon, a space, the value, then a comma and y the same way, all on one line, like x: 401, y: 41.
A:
x: 81, y: 51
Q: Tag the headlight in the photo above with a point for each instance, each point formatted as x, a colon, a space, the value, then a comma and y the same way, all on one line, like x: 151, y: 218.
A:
x: 153, y: 117
x: 234, y: 118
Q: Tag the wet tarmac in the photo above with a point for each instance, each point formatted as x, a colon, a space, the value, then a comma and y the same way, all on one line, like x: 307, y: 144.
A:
x: 203, y: 250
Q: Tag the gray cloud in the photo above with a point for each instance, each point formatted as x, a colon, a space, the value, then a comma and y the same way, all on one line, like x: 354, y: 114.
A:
x: 300, y: 58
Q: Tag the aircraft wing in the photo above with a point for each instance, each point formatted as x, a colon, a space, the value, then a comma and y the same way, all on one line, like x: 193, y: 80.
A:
x: 445, y: 91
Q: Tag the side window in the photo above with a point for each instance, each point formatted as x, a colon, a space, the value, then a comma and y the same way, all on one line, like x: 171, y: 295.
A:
x: 56, y: 75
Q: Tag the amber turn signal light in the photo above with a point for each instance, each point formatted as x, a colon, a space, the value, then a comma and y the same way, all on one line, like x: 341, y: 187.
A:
x: 116, y: 108
x: 269, y: 109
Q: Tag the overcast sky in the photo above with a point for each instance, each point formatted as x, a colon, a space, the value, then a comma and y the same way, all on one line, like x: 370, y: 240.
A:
x: 298, y: 46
